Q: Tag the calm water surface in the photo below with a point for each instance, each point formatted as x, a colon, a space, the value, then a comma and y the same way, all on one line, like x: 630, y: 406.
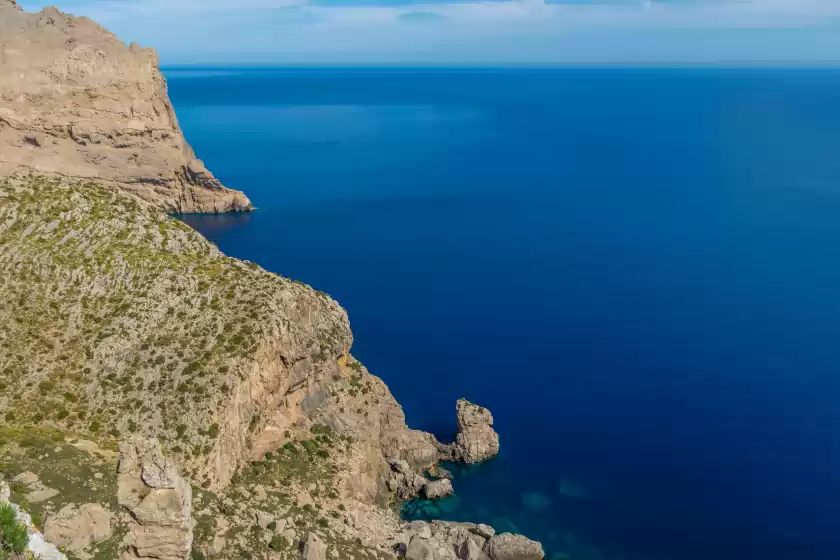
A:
x: 637, y: 271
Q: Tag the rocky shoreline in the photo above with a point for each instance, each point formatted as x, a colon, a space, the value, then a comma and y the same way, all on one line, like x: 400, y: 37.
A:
x: 162, y: 400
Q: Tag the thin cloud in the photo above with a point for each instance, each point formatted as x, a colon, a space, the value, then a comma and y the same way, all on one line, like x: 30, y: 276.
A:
x: 486, y: 31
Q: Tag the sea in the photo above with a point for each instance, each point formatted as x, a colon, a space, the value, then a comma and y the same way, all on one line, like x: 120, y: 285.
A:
x: 637, y: 270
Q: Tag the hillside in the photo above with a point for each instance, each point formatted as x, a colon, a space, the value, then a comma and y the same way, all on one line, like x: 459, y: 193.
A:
x: 157, y: 398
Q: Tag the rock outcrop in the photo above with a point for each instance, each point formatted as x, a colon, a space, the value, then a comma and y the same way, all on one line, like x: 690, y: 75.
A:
x: 158, y: 500
x: 476, y: 441
x: 75, y: 528
x: 438, y: 489
x: 77, y: 102
x: 508, y: 546
x: 314, y: 548
x: 440, y: 540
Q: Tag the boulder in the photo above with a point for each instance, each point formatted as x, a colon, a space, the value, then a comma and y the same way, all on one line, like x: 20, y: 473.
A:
x: 485, y: 531
x: 437, y: 489
x: 76, y: 528
x: 314, y: 548
x: 508, y: 546
x: 471, y: 551
x: 26, y: 478
x: 159, y: 501
x: 477, y: 441
x: 419, y: 549
x: 40, y: 493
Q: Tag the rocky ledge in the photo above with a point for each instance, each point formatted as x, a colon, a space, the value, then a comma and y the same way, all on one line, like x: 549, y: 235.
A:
x: 76, y: 102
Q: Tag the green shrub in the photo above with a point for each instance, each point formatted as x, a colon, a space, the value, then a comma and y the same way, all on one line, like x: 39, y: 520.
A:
x: 271, y: 526
x: 277, y: 543
x: 13, y: 535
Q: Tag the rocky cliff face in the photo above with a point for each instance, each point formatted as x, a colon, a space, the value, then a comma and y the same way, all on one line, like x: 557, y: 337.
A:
x: 77, y: 102
x: 117, y: 319
x: 245, y: 428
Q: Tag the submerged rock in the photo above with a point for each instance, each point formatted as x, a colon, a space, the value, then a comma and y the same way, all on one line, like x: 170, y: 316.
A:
x: 536, y: 501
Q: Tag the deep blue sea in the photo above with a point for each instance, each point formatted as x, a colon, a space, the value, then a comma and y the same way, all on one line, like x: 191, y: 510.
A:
x: 636, y: 270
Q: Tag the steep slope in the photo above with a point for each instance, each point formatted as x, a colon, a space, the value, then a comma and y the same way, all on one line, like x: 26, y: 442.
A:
x: 116, y: 319
x: 77, y: 102
x: 118, y: 322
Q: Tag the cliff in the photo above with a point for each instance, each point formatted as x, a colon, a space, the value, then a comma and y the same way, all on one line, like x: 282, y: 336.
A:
x: 78, y: 103
x: 159, y: 399
x: 118, y: 322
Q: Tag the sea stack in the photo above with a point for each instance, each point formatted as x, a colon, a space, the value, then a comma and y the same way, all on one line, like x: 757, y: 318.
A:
x: 477, y: 441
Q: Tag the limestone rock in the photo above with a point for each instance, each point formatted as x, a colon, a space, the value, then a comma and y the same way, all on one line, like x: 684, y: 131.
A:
x: 26, y: 478
x: 477, y: 441
x: 438, y: 489
x: 38, y: 493
x: 419, y: 549
x: 75, y: 101
x: 508, y: 546
x: 76, y: 528
x: 158, y: 499
x: 314, y: 548
x: 469, y: 550
x: 264, y: 519
x: 485, y: 531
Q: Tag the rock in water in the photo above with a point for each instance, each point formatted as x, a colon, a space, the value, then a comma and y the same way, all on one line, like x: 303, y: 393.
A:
x: 159, y: 500
x: 477, y: 441
x: 76, y: 101
x: 438, y: 489
x: 76, y: 528
x: 508, y: 546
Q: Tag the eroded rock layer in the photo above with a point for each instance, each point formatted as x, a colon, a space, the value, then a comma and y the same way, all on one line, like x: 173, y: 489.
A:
x: 77, y: 102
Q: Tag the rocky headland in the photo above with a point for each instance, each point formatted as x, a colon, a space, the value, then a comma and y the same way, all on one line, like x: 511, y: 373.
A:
x: 159, y: 399
x: 76, y: 102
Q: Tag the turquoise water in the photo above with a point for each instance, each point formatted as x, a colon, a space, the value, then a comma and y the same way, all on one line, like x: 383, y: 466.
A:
x: 637, y: 271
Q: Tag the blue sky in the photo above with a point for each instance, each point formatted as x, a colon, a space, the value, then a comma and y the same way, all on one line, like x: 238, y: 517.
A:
x: 474, y: 32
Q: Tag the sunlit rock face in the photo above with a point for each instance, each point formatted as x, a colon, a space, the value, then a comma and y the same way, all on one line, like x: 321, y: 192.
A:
x: 75, y: 101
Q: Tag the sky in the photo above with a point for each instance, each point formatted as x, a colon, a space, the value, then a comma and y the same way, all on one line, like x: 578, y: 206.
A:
x: 482, y: 32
